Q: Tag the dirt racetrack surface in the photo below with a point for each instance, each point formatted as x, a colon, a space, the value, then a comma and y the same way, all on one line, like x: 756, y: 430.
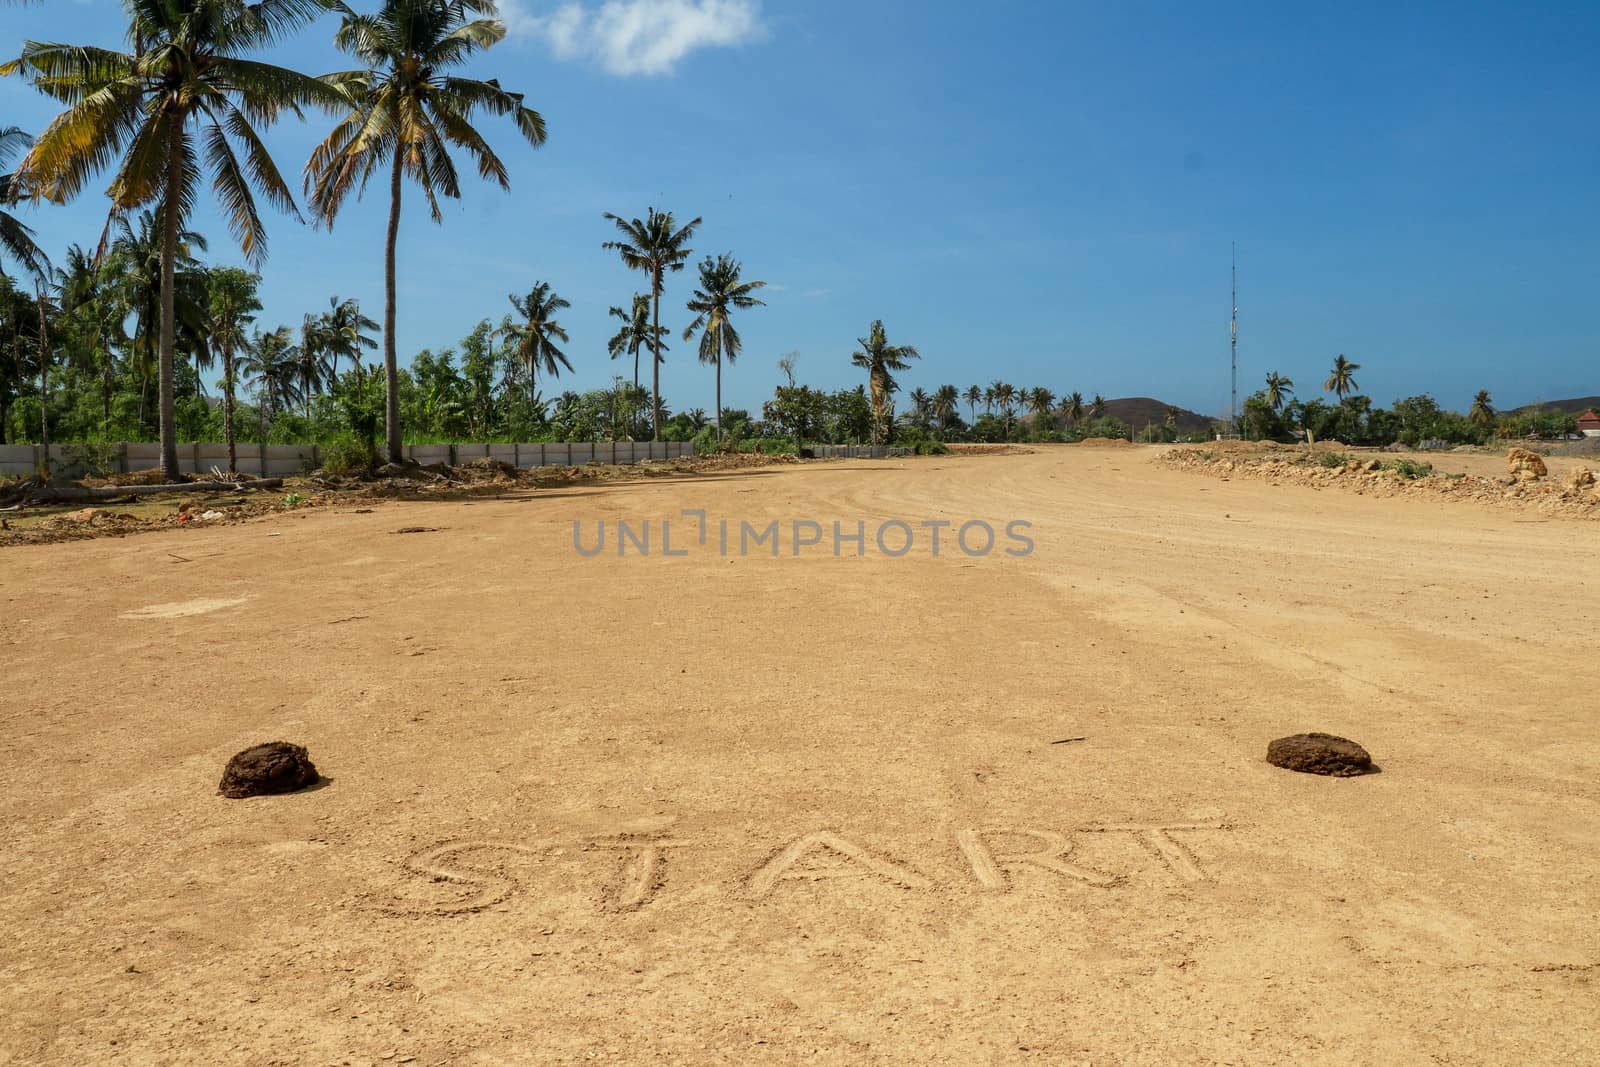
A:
x: 698, y: 809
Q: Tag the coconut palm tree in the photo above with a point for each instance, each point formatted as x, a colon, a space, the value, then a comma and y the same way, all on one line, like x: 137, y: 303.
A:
x: 313, y: 369
x: 1072, y: 408
x: 973, y: 397
x: 136, y: 265
x: 1482, y: 413
x: 271, y: 365
x: 179, y: 109
x: 343, y: 330
x: 1041, y: 402
x: 946, y: 402
x: 635, y: 334
x: 16, y: 240
x: 655, y: 245
x: 1279, y: 390
x: 921, y: 407
x: 1342, y: 381
x: 98, y: 315
x: 233, y: 304
x: 721, y: 292
x: 405, y: 113
x: 1005, y: 398
x: 1097, y: 406
x: 880, y: 360
x: 533, y: 340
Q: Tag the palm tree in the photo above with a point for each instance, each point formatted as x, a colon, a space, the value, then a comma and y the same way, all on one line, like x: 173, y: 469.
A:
x: 175, y: 109
x: 98, y: 314
x: 973, y: 396
x: 879, y: 359
x: 343, y: 331
x: 1041, y: 402
x: 1343, y: 379
x: 406, y: 112
x: 1279, y: 390
x: 533, y: 340
x: 655, y: 245
x: 233, y: 305
x: 1097, y: 406
x: 271, y: 365
x: 1005, y: 398
x: 16, y: 240
x: 312, y: 369
x: 635, y: 334
x: 1072, y: 408
x: 946, y: 401
x: 921, y: 407
x: 135, y: 265
x: 721, y: 292
x: 1482, y: 413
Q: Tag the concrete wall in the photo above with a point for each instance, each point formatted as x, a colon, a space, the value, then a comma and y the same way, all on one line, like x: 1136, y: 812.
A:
x: 857, y: 451
x: 271, y: 461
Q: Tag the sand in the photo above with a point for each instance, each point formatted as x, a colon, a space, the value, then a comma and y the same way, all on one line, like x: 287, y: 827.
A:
x: 709, y: 810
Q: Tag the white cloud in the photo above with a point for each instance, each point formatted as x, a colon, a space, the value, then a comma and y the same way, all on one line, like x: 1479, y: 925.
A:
x: 630, y: 37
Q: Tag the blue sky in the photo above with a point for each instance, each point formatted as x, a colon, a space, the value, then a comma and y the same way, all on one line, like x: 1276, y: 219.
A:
x: 1039, y: 192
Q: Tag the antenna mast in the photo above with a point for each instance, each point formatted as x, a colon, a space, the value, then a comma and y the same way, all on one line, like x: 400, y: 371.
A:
x: 1233, y: 334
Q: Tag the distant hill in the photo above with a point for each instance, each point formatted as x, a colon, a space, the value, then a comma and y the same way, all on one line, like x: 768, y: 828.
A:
x: 1140, y: 411
x: 1575, y: 406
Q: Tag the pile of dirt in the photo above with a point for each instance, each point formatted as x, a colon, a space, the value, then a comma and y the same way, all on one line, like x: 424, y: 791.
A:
x: 1373, y: 476
x: 1106, y: 442
x: 1325, y: 754
x: 1589, y: 446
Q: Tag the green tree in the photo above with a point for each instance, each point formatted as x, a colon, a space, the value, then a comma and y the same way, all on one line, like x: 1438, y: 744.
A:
x: 973, y: 396
x: 657, y: 246
x: 635, y: 334
x: 1280, y: 390
x: 343, y: 331
x: 405, y: 112
x: 1342, y: 381
x: 1072, y: 408
x: 1482, y: 413
x: 16, y: 239
x: 533, y: 340
x: 1041, y: 402
x: 271, y: 365
x: 233, y: 304
x: 880, y: 360
x: 946, y: 404
x: 178, y: 109
x: 722, y: 291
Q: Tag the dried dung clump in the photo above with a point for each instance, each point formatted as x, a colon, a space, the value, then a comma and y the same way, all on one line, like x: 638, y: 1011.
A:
x: 1320, y: 754
x: 263, y: 770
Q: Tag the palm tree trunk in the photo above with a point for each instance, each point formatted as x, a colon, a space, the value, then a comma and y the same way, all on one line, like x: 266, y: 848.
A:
x: 719, y: 398
x: 227, y: 410
x: 44, y: 388
x: 633, y: 398
x: 655, y: 363
x: 391, y: 363
x: 169, y: 256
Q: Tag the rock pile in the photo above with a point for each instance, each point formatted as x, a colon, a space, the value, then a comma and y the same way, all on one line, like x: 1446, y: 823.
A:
x: 1525, y: 466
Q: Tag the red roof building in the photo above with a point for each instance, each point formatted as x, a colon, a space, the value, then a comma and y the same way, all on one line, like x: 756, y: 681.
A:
x: 1589, y: 423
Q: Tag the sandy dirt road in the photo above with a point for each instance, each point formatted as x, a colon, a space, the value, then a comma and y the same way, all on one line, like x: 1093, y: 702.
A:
x: 755, y: 810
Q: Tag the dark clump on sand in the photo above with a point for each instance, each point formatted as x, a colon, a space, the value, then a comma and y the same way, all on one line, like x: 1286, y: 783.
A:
x: 1320, y: 754
x: 262, y: 770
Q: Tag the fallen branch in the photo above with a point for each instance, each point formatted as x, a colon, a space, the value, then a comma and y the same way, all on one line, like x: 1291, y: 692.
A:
x: 75, y: 494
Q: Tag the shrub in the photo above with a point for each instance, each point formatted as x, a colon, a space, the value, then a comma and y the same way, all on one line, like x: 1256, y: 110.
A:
x: 98, y: 458
x: 932, y: 448
x: 1410, y: 469
x: 1332, y: 459
x: 348, y: 454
